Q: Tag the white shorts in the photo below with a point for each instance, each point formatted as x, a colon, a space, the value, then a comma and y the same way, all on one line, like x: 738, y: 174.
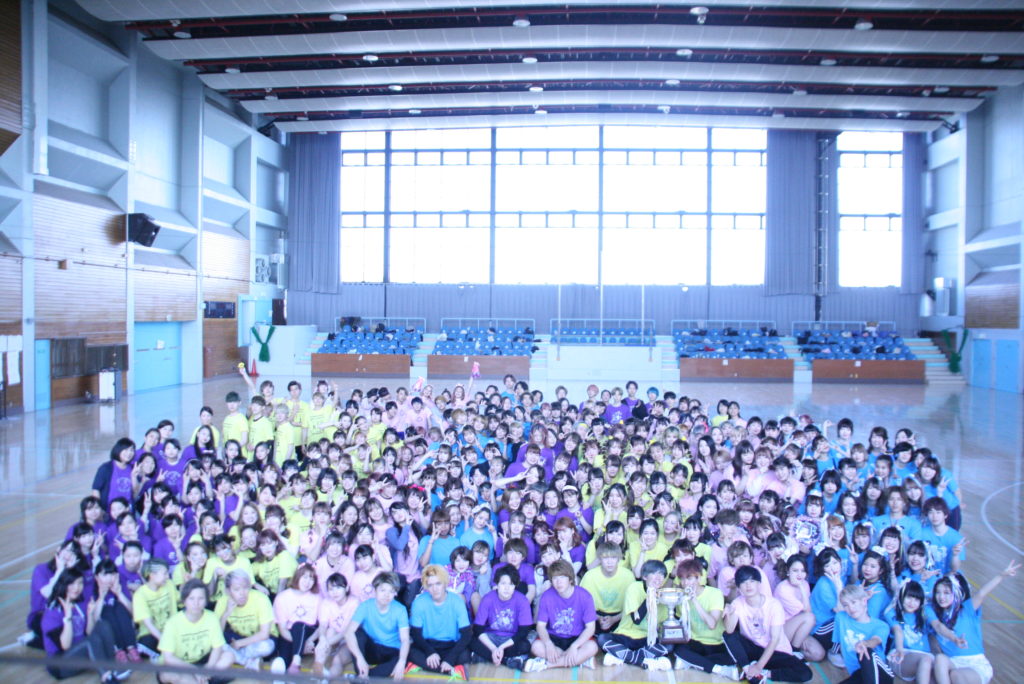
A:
x: 979, y: 663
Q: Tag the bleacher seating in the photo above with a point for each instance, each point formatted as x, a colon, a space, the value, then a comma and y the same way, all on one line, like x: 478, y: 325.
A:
x: 728, y: 343
x: 493, y: 340
x: 631, y: 333
x: 379, y: 340
x: 868, y: 345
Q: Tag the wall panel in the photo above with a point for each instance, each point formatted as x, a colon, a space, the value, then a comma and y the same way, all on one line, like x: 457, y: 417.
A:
x: 88, y: 298
x: 10, y: 289
x: 10, y: 74
x: 163, y: 294
x: 225, y: 276
x: 993, y: 300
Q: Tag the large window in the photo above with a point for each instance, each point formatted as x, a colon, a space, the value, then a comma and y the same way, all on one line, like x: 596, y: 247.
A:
x: 657, y: 205
x: 870, y: 200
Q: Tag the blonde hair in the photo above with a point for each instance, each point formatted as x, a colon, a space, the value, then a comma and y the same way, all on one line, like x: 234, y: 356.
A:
x: 435, y: 571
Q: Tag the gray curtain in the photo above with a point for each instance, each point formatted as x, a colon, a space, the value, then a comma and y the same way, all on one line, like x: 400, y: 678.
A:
x: 790, y: 219
x: 313, y: 212
x: 914, y: 164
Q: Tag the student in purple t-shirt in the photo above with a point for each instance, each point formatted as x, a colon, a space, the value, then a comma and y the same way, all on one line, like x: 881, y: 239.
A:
x: 515, y: 556
x: 566, y: 620
x: 44, y: 577
x: 71, y: 628
x: 114, y: 478
x: 502, y: 622
x: 171, y: 464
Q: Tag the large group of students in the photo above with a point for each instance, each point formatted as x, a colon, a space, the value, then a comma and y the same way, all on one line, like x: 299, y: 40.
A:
x: 384, y: 534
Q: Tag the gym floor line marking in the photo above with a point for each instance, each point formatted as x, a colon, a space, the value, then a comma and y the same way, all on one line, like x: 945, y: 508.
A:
x: 984, y: 516
x: 822, y: 673
x: 30, y: 554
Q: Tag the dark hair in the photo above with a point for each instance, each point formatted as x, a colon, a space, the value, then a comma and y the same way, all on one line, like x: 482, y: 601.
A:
x: 746, y: 573
x: 60, y: 588
x: 119, y: 446
x: 911, y: 589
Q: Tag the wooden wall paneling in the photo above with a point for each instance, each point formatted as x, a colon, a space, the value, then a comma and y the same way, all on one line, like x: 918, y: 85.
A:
x: 853, y: 371
x: 382, y: 365
x: 10, y: 289
x: 71, y: 389
x: 992, y: 300
x: 753, y: 370
x: 163, y: 293
x: 10, y: 74
x: 225, y: 276
x: 491, y: 367
x: 89, y: 298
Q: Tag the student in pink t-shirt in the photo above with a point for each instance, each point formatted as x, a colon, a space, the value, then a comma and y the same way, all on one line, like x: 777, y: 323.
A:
x: 794, y: 593
x: 336, y: 609
x: 755, y: 636
x: 296, y: 610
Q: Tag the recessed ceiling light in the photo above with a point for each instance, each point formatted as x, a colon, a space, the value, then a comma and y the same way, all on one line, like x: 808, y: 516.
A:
x: 941, y: 89
x: 302, y: 118
x: 232, y: 70
x: 321, y: 132
x: 864, y: 25
x: 700, y: 12
x: 540, y: 112
x: 337, y: 16
x: 529, y: 60
x: 664, y: 109
x: 182, y: 34
x: 395, y: 87
x: 536, y: 89
x: 521, y: 22
x: 414, y: 112
x: 671, y: 81
x: 827, y: 61
x: 902, y: 115
x: 778, y: 115
x: 684, y: 52
x: 926, y: 92
x: 270, y: 97
x: 989, y: 59
x: 799, y: 91
x: 370, y: 58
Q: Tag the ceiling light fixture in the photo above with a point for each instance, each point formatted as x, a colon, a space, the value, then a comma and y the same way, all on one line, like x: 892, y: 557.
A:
x: 700, y: 12
x: 414, y: 112
x: 778, y: 115
x: 232, y: 70
x: 864, y: 25
x: 664, y: 109
x: 536, y: 89
x: 926, y: 92
x: 827, y: 61
x: 672, y: 81
x: 684, y: 52
x: 989, y: 59
x: 521, y: 21
x: 302, y: 118
x: 337, y: 16
x: 941, y: 89
x: 270, y: 97
x: 902, y: 115
x: 182, y: 34
x: 395, y: 88
x: 540, y: 112
x: 529, y: 60
x: 799, y: 91
x: 370, y: 58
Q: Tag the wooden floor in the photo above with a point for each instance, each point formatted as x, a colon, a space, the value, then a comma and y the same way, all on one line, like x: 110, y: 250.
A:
x: 47, y: 460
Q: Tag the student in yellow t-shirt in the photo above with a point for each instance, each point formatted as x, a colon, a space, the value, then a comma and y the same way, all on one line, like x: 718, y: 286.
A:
x: 193, y: 636
x: 648, y: 547
x: 247, y: 619
x: 298, y: 413
x: 284, y: 435
x: 323, y: 419
x: 274, y: 564
x: 223, y: 561
x: 206, y: 419
x: 607, y: 583
x: 261, y: 428
x: 705, y: 605
x: 235, y: 426
x: 629, y: 643
x: 154, y: 603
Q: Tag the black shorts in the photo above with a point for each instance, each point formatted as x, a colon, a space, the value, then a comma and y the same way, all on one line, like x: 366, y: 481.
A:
x: 562, y: 642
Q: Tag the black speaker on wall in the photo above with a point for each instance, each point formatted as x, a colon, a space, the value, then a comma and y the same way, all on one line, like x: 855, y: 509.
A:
x: 142, y: 229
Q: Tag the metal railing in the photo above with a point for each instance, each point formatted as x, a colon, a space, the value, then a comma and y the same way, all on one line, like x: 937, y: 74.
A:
x: 720, y: 324
x: 514, y: 324
x: 389, y: 323
x: 603, y: 331
x: 841, y: 326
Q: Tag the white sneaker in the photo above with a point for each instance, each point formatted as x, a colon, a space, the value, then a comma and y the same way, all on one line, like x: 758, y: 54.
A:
x: 611, y: 661
x: 658, y: 664
x: 837, y: 660
x: 728, y: 671
x: 535, y: 665
x: 278, y: 666
x: 588, y: 663
x: 683, y: 665
x: 25, y: 638
x: 253, y: 664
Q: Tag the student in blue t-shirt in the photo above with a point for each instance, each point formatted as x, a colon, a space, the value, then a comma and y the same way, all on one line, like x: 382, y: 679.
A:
x: 911, y: 655
x: 861, y: 639
x: 956, y: 619
x: 439, y: 627
x: 945, y: 545
x: 378, y: 635
x: 436, y: 548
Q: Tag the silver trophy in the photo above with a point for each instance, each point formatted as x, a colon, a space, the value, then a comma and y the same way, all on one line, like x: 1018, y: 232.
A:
x: 676, y: 627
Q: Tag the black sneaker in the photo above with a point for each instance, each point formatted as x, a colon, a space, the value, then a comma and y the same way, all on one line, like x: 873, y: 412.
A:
x: 516, y: 662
